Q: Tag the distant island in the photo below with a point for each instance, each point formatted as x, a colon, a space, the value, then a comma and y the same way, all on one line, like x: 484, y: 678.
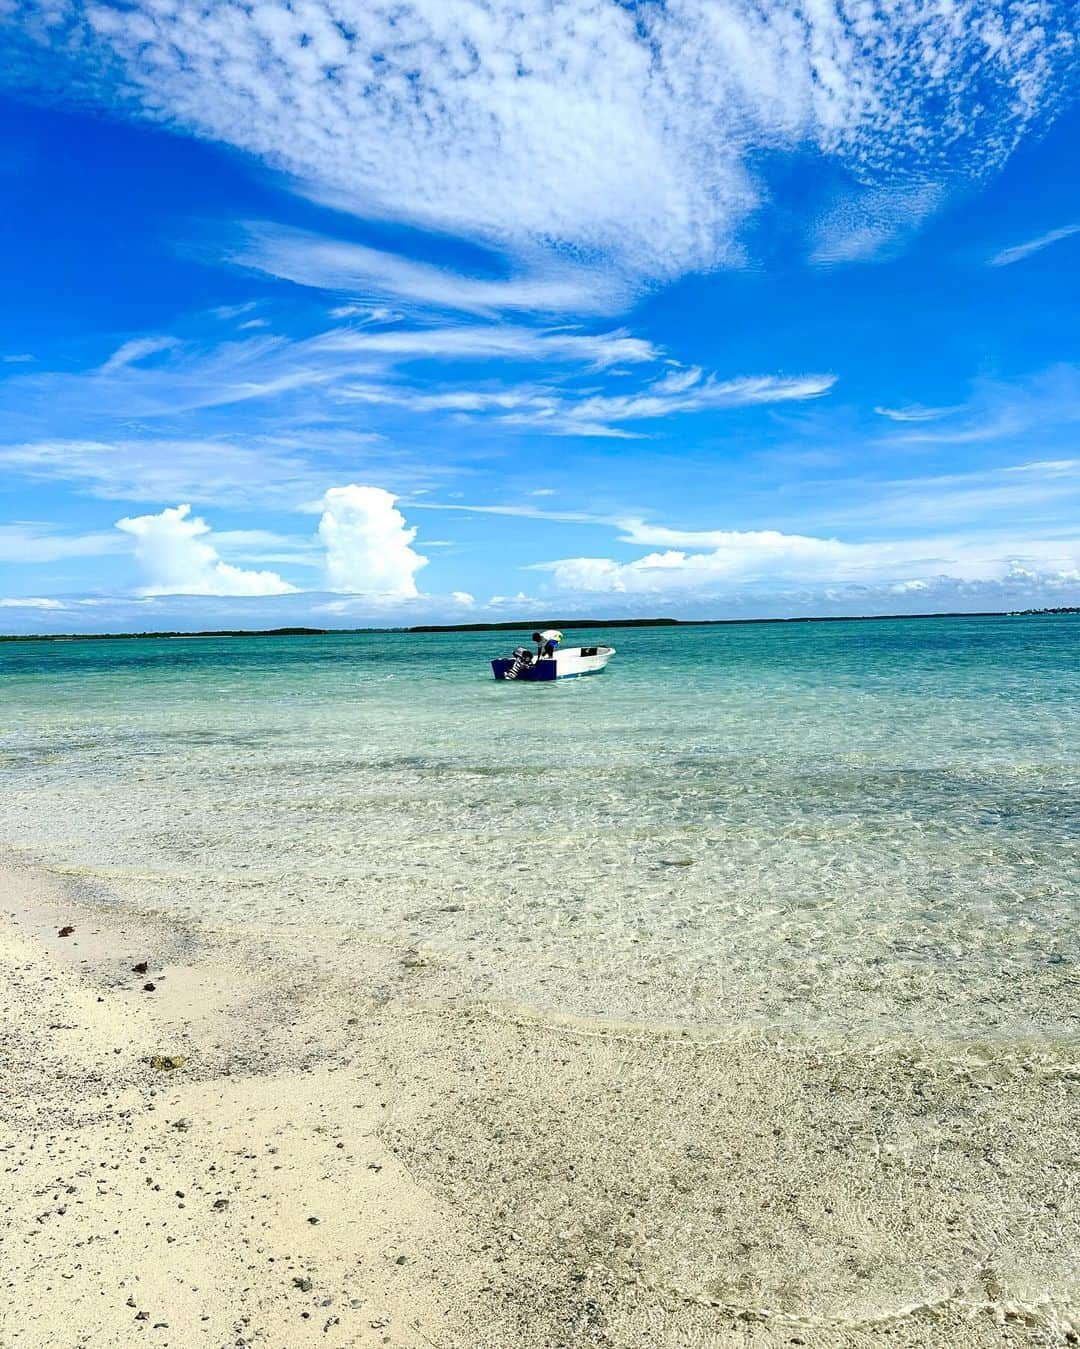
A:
x: 143, y: 636
x: 568, y: 624
x: 565, y: 624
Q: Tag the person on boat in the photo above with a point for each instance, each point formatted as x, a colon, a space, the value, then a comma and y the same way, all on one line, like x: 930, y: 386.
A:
x: 547, y: 642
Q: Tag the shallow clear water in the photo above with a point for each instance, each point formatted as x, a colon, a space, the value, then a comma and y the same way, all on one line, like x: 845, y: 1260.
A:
x: 834, y: 824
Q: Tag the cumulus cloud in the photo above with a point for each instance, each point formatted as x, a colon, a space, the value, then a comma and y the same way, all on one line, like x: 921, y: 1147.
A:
x: 613, y: 131
x: 368, y: 544
x: 174, y: 550
x: 774, y: 559
x: 742, y: 555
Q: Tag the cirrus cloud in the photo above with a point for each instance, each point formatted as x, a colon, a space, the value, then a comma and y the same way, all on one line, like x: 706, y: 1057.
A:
x: 1018, y: 252
x: 619, y: 133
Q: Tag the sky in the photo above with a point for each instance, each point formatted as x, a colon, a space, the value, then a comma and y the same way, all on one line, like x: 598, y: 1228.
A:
x: 345, y: 313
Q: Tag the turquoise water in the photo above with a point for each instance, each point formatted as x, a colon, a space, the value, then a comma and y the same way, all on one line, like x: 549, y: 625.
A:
x: 828, y: 824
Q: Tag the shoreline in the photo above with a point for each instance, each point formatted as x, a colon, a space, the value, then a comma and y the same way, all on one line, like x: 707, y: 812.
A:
x: 525, y: 624
x: 484, y: 1179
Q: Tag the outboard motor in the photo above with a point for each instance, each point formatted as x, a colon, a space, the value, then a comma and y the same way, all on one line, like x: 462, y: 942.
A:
x: 522, y: 658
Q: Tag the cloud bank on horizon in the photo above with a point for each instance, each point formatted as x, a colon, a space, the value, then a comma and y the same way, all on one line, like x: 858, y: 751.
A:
x: 457, y: 256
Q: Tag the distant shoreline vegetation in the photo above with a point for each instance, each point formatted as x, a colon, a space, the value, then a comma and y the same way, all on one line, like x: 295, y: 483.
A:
x: 565, y: 624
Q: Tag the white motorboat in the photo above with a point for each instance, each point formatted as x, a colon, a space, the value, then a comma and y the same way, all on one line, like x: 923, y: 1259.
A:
x: 566, y: 662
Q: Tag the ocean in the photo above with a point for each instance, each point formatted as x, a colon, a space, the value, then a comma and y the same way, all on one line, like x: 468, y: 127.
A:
x: 867, y: 826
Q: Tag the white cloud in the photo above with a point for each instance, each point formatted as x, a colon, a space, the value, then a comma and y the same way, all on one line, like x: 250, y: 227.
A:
x: 174, y: 549
x: 331, y: 264
x: 18, y: 358
x: 1039, y: 490
x: 306, y: 379
x: 1018, y: 252
x: 520, y: 600
x: 27, y: 541
x: 243, y: 369
x: 447, y: 400
x: 771, y: 559
x: 1051, y: 488
x: 32, y: 603
x: 225, y: 312
x: 515, y: 511
x: 867, y: 225
x: 917, y: 413
x: 263, y: 546
x: 277, y: 470
x: 366, y: 313
x: 711, y: 562
x: 685, y: 391
x: 599, y: 414
x: 1003, y: 410
x: 368, y: 544
x: 490, y: 342
x: 137, y: 350
x: 611, y: 130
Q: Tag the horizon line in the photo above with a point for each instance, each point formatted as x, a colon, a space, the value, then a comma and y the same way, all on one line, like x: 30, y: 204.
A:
x: 510, y: 625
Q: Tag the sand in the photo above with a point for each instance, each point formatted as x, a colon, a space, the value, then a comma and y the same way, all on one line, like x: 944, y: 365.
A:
x: 340, y: 1162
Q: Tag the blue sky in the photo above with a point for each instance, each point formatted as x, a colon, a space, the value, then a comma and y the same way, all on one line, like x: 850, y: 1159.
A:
x: 338, y: 313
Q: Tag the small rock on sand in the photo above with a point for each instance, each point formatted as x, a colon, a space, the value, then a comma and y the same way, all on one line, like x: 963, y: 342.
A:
x: 167, y: 1061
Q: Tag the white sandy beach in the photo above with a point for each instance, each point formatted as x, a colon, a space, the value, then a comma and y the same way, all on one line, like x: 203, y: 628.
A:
x: 342, y: 1165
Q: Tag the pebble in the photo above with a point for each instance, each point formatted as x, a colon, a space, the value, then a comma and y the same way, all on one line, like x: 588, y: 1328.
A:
x: 65, y: 931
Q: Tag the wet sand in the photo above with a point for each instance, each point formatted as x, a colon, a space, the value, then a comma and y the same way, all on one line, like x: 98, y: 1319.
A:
x: 343, y: 1162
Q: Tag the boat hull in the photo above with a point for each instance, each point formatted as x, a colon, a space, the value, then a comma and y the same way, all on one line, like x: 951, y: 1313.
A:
x: 570, y: 663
